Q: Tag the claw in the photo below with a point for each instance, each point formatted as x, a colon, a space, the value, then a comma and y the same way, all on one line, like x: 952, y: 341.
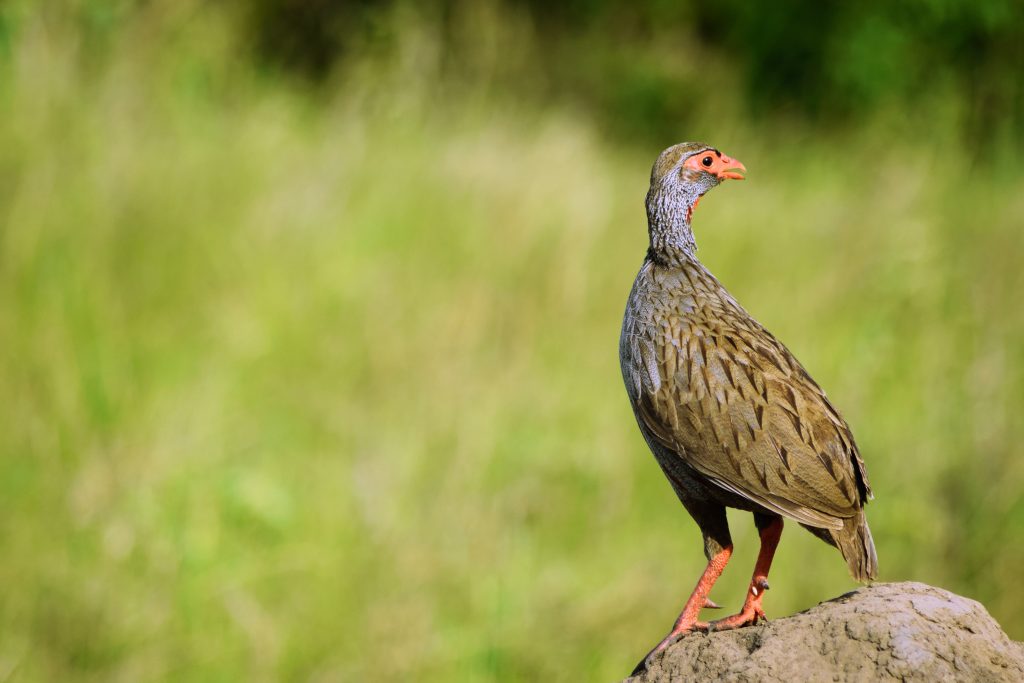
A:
x: 710, y: 604
x: 670, y: 639
x: 640, y: 667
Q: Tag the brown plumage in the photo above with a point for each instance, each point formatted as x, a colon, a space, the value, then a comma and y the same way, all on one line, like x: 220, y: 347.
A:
x: 732, y: 417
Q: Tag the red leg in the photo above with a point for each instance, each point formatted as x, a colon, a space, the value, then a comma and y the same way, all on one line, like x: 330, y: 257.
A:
x: 687, y: 620
x: 752, y: 610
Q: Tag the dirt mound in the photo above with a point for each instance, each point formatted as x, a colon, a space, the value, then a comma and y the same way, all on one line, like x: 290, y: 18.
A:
x: 886, y: 632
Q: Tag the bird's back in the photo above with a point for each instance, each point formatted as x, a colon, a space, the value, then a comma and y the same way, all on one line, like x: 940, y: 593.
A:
x: 713, y: 388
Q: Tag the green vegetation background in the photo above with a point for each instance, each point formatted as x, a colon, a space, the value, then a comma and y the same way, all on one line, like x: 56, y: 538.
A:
x: 308, y: 345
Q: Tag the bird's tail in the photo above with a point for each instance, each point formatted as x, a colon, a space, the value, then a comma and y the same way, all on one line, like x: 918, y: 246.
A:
x: 854, y: 542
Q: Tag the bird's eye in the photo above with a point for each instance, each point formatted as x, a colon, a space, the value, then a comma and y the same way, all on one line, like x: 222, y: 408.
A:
x: 706, y: 161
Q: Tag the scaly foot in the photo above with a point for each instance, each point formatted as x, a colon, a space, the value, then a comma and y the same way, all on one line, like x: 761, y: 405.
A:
x: 681, y: 629
x: 751, y: 612
x: 678, y: 632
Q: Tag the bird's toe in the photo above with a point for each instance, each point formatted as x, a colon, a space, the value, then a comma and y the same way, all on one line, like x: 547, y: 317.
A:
x: 744, y: 618
x: 640, y: 667
x: 669, y: 640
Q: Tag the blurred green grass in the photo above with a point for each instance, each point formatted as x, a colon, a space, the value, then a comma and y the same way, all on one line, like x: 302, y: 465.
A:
x: 328, y: 390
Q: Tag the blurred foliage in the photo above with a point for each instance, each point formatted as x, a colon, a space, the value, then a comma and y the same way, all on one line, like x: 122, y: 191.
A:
x: 317, y: 378
x: 825, y: 62
x: 643, y: 69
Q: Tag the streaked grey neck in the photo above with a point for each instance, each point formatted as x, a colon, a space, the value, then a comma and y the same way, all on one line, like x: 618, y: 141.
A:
x: 668, y: 223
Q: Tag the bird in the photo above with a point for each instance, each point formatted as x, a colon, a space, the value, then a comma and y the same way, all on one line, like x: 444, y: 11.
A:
x: 731, y: 416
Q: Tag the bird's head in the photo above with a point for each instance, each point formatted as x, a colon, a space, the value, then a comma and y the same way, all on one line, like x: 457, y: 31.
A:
x: 687, y: 170
x: 682, y: 175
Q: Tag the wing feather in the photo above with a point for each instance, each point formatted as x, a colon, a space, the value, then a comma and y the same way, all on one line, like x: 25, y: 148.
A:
x: 723, y: 394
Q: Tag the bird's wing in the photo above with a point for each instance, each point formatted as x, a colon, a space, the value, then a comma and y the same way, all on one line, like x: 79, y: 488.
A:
x: 736, y: 406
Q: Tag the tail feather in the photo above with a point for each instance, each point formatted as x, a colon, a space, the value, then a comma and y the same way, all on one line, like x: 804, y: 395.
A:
x: 858, y: 549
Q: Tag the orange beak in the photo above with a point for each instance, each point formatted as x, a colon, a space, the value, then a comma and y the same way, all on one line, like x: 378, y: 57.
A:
x: 721, y: 166
x: 727, y: 167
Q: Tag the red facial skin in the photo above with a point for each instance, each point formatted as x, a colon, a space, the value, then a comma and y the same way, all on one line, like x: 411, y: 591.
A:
x: 720, y: 165
x: 717, y: 164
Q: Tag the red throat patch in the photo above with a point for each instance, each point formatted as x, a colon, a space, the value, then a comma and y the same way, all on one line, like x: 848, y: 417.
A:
x: 693, y: 207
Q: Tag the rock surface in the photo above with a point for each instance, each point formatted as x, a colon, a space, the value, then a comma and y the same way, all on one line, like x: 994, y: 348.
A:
x: 886, y: 632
